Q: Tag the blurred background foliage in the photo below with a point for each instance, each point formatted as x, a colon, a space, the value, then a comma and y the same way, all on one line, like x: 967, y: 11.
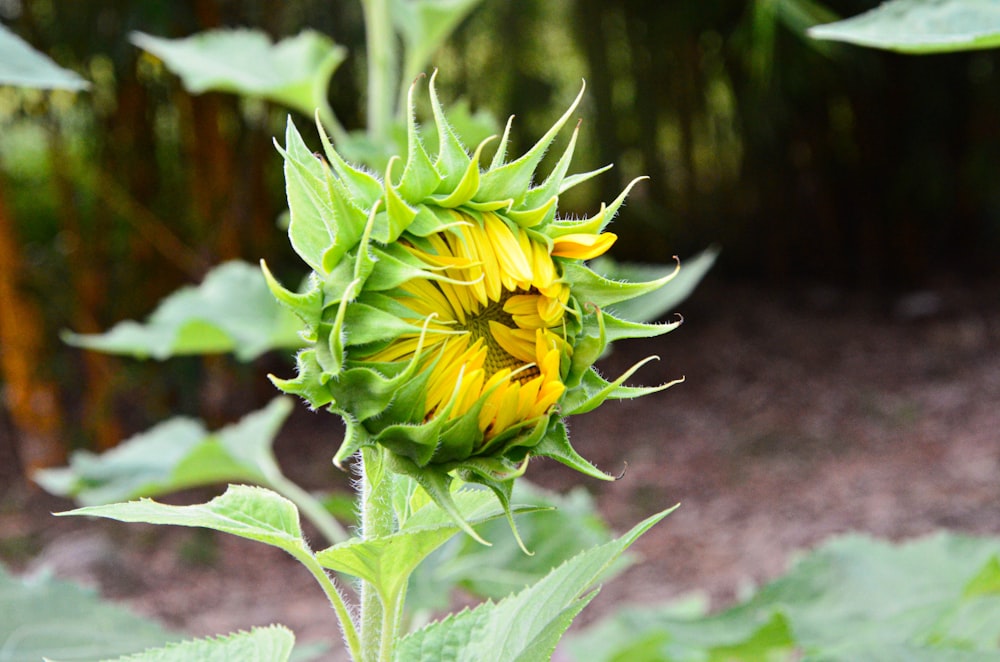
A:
x: 807, y: 162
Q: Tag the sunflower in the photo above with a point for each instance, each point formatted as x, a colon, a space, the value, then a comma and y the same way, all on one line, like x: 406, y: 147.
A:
x: 450, y: 315
x: 496, y: 323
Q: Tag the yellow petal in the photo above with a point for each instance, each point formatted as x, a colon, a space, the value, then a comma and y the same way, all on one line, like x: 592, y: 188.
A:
x: 583, y: 246
x: 507, y: 412
x: 519, y: 343
x: 514, y: 267
x: 524, y: 309
x: 549, y: 310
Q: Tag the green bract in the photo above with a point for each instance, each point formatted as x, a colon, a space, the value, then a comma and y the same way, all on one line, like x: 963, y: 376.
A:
x: 450, y: 316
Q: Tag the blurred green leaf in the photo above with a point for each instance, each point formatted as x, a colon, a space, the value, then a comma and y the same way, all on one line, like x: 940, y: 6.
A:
x: 525, y: 626
x: 261, y: 644
x: 854, y: 598
x: 919, y: 26
x: 45, y: 617
x: 23, y: 66
x: 232, y: 310
x: 294, y: 72
x: 174, y: 455
x: 424, y: 25
x: 654, y: 305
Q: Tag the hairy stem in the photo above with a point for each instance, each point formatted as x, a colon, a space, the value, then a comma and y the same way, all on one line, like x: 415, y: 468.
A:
x: 347, y: 625
x: 379, y: 624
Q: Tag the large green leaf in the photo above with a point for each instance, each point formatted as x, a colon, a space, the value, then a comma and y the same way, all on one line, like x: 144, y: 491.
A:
x: 294, y: 72
x: 232, y: 310
x: 654, y: 305
x: 45, y: 617
x: 261, y: 644
x: 254, y: 513
x: 920, y: 26
x: 174, y: 455
x: 23, y: 66
x: 854, y: 598
x: 526, y: 626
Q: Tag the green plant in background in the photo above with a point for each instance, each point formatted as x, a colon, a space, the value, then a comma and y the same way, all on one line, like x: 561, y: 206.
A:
x: 853, y: 598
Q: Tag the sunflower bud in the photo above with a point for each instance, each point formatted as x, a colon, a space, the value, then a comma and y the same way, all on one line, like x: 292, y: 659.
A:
x: 450, y: 316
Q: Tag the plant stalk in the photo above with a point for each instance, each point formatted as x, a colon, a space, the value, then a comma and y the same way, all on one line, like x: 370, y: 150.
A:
x: 347, y: 625
x: 332, y: 124
x: 379, y: 624
x: 309, y: 506
x: 380, y: 42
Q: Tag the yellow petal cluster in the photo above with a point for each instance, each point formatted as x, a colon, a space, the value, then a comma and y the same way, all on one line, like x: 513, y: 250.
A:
x: 495, y: 320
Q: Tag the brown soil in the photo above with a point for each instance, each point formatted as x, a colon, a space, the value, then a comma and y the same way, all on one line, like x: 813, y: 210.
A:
x: 802, y: 416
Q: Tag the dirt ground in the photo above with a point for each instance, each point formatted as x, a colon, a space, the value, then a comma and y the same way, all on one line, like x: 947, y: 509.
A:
x: 803, y: 415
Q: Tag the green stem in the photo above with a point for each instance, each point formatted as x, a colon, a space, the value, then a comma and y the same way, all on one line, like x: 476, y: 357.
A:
x: 347, y: 626
x: 379, y: 624
x: 382, y: 68
x: 309, y: 506
x: 392, y: 622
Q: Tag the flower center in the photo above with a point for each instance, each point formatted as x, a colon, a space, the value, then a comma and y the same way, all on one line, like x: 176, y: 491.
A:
x: 477, y: 324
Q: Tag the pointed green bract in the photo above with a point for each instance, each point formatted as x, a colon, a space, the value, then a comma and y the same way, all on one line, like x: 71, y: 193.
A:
x: 513, y: 179
x: 420, y: 178
x: 600, y: 291
x: 649, y: 307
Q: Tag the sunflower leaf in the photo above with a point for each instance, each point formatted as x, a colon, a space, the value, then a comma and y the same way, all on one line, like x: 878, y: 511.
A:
x: 294, y: 72
x: 917, y: 26
x: 272, y: 643
x: 174, y: 455
x: 248, y: 512
x: 23, y: 66
x: 232, y: 310
x: 524, y: 626
x: 44, y: 617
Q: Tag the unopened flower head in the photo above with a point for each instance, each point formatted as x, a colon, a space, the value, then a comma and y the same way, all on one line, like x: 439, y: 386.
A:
x: 450, y: 315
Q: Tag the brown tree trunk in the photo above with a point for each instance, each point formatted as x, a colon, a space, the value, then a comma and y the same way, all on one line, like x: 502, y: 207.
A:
x: 31, y: 400
x: 88, y: 272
